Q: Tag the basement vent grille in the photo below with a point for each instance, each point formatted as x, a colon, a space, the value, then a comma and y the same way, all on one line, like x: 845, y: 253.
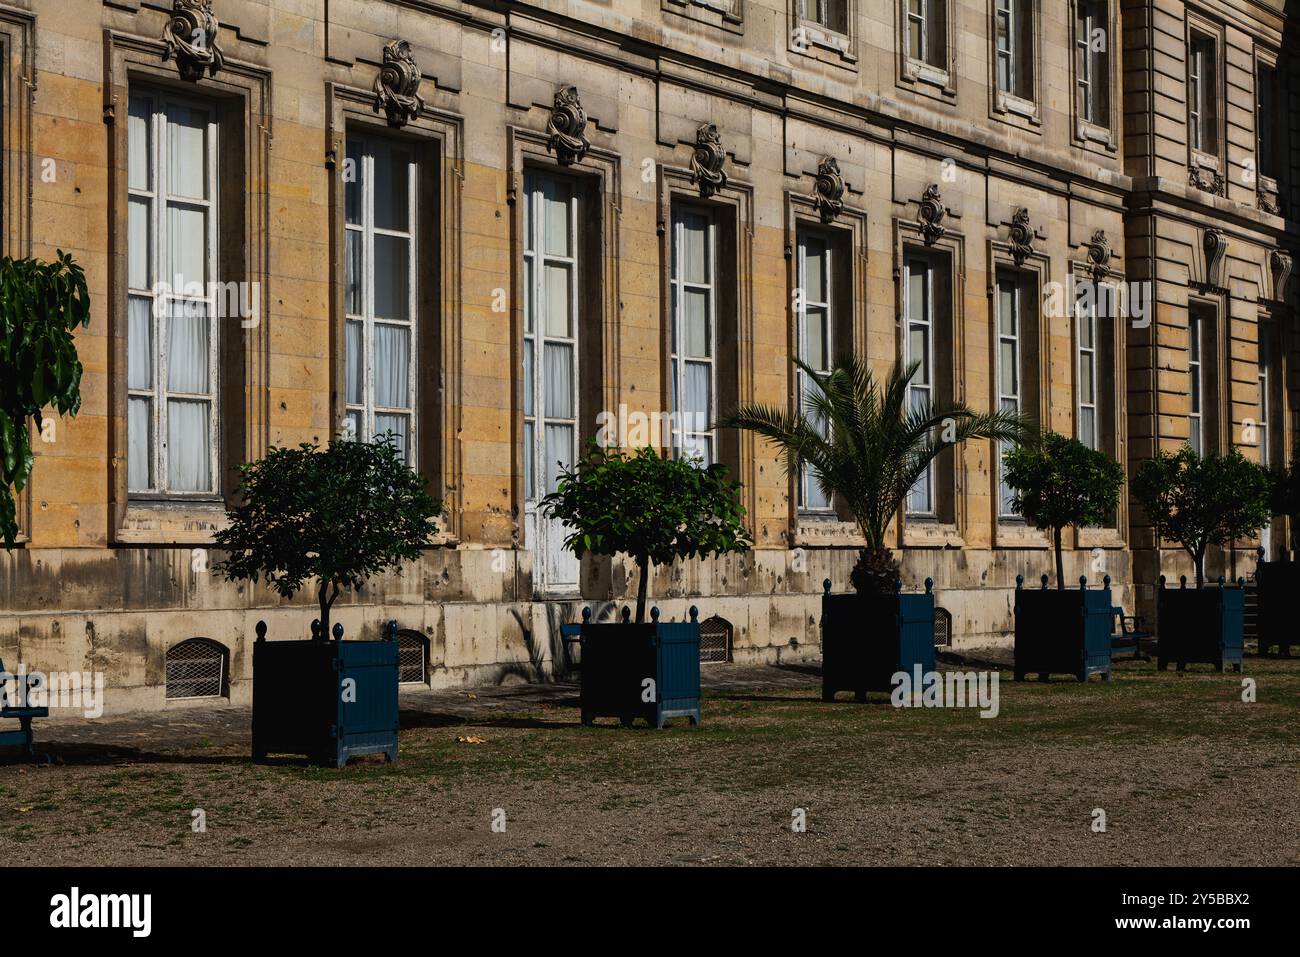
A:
x: 196, y: 668
x: 942, y: 628
x: 715, y: 639
x: 412, y: 657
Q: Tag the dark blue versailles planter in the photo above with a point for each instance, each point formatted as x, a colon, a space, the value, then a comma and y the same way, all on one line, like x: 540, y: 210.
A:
x: 619, y: 657
x: 1063, y: 630
x: 1201, y: 625
x: 867, y: 639
x: 328, y: 700
x: 1277, y: 586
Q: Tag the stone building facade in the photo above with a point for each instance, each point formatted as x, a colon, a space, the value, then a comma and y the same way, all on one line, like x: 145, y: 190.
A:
x: 481, y: 225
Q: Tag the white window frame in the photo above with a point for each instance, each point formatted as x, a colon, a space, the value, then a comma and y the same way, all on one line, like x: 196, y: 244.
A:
x: 367, y: 409
x: 536, y: 338
x: 1006, y: 11
x: 817, y: 13
x: 681, y: 434
x: 1196, y: 381
x: 919, y: 22
x: 1265, y: 411
x: 925, y: 323
x: 1086, y: 357
x: 1201, y: 69
x: 806, y: 479
x: 160, y: 200
x: 1009, y: 399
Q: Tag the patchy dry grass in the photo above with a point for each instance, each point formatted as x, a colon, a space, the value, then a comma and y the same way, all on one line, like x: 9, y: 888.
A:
x: 1185, y: 771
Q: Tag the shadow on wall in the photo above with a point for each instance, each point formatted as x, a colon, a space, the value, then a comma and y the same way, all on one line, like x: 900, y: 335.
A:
x: 550, y: 647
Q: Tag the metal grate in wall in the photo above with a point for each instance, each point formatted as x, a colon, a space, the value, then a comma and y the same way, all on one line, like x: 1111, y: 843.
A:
x: 196, y: 668
x: 715, y: 639
x: 412, y: 657
x: 942, y: 628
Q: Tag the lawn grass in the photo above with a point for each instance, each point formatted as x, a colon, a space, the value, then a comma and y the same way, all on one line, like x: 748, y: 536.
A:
x: 1186, y: 771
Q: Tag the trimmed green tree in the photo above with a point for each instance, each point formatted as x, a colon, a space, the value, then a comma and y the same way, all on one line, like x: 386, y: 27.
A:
x: 1060, y: 483
x: 41, y: 304
x: 338, y: 515
x: 867, y: 446
x: 1202, y: 501
x: 651, y: 508
x: 1284, y: 493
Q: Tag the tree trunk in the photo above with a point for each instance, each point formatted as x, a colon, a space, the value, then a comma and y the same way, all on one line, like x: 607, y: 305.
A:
x: 643, y: 564
x: 322, y: 598
x: 1060, y: 560
x: 1200, y: 568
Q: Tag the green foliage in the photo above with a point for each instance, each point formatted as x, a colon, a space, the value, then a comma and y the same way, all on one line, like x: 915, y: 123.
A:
x: 1284, y: 491
x: 41, y: 304
x: 652, y: 508
x: 877, y: 446
x: 1059, y: 482
x: 1199, y: 502
x: 338, y: 515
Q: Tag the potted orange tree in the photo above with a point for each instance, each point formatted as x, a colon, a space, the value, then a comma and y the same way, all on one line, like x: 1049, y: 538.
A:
x: 1278, y: 583
x: 1201, y: 502
x: 338, y: 516
x: 656, y: 510
x: 866, y: 447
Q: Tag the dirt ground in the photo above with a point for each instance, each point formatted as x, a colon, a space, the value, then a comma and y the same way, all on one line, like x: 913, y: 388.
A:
x: 1184, y: 771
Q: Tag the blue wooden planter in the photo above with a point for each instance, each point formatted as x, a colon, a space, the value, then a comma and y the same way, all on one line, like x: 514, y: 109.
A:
x: 867, y: 639
x: 1277, y: 587
x: 328, y: 700
x: 1063, y: 631
x: 619, y: 657
x: 1200, y: 625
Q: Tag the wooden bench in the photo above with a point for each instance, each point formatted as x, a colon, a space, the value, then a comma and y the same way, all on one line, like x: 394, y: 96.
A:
x: 22, y: 737
x: 1131, y: 635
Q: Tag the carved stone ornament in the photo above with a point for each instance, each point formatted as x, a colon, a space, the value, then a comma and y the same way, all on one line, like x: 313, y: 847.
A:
x: 1216, y: 250
x: 191, y: 36
x: 1210, y: 181
x: 397, y: 85
x: 1281, y: 263
x: 828, y: 191
x: 707, y: 160
x: 566, y: 127
x: 1099, y: 253
x: 932, y: 213
x: 1269, y: 202
x: 1022, y: 236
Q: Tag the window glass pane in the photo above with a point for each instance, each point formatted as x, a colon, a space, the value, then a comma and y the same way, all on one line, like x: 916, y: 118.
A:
x: 186, y: 159
x: 557, y: 278
x: 187, y: 240
x: 139, y: 448
x: 699, y: 447
x: 354, y: 274
x: 695, y: 317
x: 395, y: 426
x: 139, y: 374
x: 140, y: 159
x: 920, y: 500
x: 1088, y: 427
x: 556, y: 199
x: 813, y: 496
x: 187, y: 348
x: 1085, y: 331
x: 392, y: 357
x: 392, y: 181
x: 694, y: 264
x: 1006, y: 309
x: 189, y: 465
x: 698, y: 396
x: 355, y: 364
x: 528, y: 379
x: 529, y: 279
x: 559, y: 453
x: 529, y: 453
x: 138, y: 243
x: 1010, y: 384
x: 815, y: 338
x: 352, y: 427
x: 353, y: 176
x: 558, y: 381
x: 918, y: 350
x: 916, y: 283
x: 814, y: 280
x: 1087, y: 385
x: 392, y: 277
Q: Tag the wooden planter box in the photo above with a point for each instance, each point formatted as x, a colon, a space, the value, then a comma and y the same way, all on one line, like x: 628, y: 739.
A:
x: 1063, y: 631
x: 867, y: 640
x: 1277, y: 587
x: 1200, y: 625
x: 328, y: 700
x: 618, y: 657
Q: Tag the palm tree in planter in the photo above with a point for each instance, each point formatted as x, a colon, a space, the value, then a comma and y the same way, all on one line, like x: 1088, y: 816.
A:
x: 1201, y: 502
x: 655, y: 510
x: 1060, y: 483
x: 338, y: 516
x: 867, y: 446
x: 1278, y: 583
